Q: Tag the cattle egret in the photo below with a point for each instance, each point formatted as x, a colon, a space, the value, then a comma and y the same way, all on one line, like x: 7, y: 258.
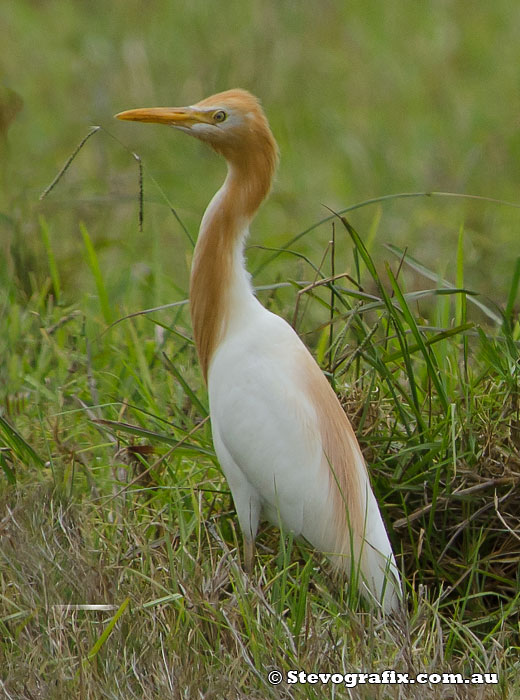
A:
x: 282, y: 438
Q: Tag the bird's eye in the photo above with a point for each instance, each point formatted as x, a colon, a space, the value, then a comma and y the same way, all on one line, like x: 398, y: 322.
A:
x: 219, y: 116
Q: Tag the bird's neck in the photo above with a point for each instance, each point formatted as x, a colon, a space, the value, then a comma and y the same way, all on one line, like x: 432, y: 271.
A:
x: 220, y: 291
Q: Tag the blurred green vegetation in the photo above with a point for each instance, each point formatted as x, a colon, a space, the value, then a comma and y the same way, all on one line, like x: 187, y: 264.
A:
x: 365, y: 99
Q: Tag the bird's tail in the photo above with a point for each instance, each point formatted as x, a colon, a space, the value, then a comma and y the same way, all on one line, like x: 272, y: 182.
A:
x: 364, y: 550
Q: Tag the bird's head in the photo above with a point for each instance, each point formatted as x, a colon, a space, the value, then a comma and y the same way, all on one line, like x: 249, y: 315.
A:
x: 232, y: 122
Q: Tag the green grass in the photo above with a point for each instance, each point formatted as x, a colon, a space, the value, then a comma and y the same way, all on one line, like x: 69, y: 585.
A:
x: 110, y: 492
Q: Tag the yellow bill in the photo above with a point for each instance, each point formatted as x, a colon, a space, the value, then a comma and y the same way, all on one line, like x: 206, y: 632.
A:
x: 173, y: 116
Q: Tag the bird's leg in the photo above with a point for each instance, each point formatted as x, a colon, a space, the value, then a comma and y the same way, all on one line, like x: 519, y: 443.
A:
x: 249, y: 554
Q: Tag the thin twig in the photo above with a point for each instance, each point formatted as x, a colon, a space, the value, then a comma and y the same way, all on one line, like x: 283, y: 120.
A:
x: 456, y: 494
x: 501, y: 518
x: 315, y: 283
x: 469, y: 520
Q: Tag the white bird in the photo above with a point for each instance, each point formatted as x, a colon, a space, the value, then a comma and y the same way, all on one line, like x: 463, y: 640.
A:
x: 282, y: 438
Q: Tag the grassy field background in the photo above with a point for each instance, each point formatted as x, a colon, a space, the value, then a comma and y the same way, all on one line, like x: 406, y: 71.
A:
x: 109, y: 489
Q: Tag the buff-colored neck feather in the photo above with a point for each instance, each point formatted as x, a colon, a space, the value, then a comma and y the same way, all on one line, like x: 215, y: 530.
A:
x: 218, y: 262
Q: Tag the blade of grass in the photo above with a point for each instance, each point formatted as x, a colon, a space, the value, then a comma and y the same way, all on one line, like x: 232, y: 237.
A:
x: 10, y: 474
x: 187, y: 389
x: 392, y: 357
x: 513, y: 291
x: 53, y: 268
x: 106, y: 632
x: 433, y: 371
x: 152, y: 435
x: 461, y: 300
x: 19, y: 446
x: 93, y: 263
